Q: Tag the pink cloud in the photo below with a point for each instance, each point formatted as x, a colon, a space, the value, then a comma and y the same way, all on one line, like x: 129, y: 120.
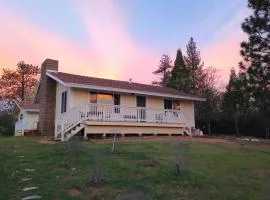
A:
x: 223, y: 52
x: 24, y: 41
x: 110, y: 54
x: 106, y: 27
x: 223, y: 55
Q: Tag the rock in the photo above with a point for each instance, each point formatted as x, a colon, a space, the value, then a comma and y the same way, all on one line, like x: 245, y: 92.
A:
x: 26, y: 179
x: 29, y: 188
x: 32, y: 197
x: 29, y: 170
x: 254, y: 140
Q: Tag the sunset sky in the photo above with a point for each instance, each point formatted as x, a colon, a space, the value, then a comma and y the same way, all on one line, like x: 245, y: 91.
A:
x: 119, y: 39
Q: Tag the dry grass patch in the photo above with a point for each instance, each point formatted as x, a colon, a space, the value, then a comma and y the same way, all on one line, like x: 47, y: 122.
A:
x: 74, y: 192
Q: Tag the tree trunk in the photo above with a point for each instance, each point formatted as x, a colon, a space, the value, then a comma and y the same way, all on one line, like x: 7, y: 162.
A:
x: 209, y: 128
x: 236, y: 126
x: 23, y: 89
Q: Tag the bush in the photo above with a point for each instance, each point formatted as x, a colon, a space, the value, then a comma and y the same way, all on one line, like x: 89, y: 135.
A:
x: 6, y: 124
x: 180, y: 157
x: 96, y: 177
x: 73, y: 149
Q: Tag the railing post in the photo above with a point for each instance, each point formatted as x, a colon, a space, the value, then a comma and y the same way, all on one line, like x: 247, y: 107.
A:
x: 62, y: 130
x: 103, y: 112
x: 138, y: 114
x: 55, y: 128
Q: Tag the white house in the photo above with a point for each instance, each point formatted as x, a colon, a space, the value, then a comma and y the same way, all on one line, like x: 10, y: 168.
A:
x: 71, y: 104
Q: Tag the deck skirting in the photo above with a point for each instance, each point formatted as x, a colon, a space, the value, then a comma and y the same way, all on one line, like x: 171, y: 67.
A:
x: 132, y: 128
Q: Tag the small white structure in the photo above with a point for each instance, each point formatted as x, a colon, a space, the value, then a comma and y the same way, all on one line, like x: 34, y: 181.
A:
x: 26, y: 116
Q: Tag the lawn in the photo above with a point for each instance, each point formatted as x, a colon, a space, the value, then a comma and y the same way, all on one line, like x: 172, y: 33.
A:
x: 142, y: 170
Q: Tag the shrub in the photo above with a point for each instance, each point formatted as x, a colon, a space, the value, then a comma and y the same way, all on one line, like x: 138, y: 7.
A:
x: 73, y: 149
x: 180, y: 157
x: 96, y: 177
x: 6, y: 124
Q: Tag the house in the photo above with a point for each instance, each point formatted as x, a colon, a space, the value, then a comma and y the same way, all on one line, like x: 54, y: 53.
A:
x: 26, y: 116
x: 70, y: 104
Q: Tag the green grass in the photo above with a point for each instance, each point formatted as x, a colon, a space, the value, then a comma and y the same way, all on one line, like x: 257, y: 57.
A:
x: 215, y: 170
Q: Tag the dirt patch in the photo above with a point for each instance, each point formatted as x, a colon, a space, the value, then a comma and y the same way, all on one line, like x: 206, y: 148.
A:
x: 166, y: 138
x: 101, y: 193
x: 74, y: 192
x: 43, y: 141
x: 71, y: 179
x: 131, y: 195
x: 148, y: 163
x: 261, y: 172
x: 206, y: 139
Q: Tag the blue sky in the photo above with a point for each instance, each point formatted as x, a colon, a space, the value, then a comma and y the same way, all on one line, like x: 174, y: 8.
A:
x: 115, y: 39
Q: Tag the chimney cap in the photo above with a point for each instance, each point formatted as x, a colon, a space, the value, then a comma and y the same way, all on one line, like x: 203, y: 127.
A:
x: 50, y: 61
x: 49, y: 64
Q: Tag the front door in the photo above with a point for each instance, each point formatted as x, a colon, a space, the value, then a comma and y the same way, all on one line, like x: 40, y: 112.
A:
x: 141, y: 104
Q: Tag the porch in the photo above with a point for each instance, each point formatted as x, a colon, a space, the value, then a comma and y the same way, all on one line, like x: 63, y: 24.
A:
x: 118, y: 119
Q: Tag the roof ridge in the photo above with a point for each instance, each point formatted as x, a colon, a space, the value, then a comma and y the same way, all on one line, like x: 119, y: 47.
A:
x: 156, y: 86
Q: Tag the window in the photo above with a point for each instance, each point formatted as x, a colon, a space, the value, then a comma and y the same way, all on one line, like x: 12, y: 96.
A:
x: 141, y: 113
x: 93, y: 97
x: 64, y: 102
x: 171, y: 104
x: 104, y: 98
x: 176, y: 104
x: 116, y: 99
x: 141, y: 101
x: 21, y: 117
x: 167, y: 104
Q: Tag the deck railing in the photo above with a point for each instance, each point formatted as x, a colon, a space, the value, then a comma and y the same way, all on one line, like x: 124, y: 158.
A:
x: 97, y: 112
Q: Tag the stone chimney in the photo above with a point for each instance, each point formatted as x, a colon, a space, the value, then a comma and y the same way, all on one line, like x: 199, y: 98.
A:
x: 47, y: 96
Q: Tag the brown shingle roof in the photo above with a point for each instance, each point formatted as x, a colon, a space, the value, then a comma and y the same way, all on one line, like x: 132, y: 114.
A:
x: 29, y: 106
x: 85, y: 80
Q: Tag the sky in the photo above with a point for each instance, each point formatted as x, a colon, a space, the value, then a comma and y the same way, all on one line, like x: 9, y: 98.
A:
x: 120, y: 39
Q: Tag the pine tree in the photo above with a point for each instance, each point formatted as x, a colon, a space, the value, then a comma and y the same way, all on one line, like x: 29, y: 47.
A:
x: 193, y: 62
x: 164, y: 70
x: 180, y: 76
x: 236, y: 98
x: 256, y: 53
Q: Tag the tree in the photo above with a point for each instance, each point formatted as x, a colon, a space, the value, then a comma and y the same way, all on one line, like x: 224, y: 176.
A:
x: 163, y: 70
x: 256, y: 53
x: 236, y: 98
x: 18, y: 84
x: 208, y: 111
x: 180, y: 76
x: 193, y: 62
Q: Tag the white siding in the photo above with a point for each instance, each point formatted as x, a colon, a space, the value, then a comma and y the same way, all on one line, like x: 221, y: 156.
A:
x: 187, y: 108
x: 59, y: 89
x: 29, y: 121
x: 80, y: 97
